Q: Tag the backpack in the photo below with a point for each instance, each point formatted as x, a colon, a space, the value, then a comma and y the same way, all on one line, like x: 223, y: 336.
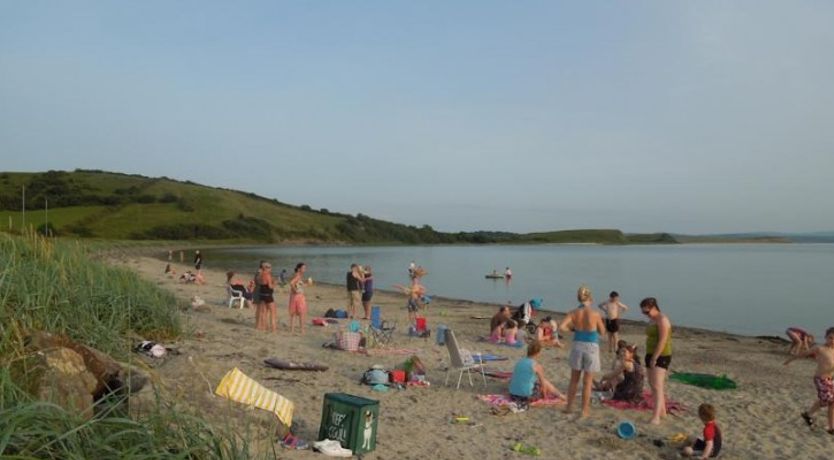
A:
x: 330, y: 313
x: 374, y: 377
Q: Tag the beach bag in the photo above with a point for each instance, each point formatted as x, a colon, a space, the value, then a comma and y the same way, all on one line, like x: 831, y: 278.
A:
x: 440, y: 338
x: 349, y: 341
x: 330, y: 313
x: 319, y: 322
x: 374, y: 376
x: 341, y: 314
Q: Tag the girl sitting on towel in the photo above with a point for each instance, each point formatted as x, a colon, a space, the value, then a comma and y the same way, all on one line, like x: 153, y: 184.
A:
x: 511, y: 337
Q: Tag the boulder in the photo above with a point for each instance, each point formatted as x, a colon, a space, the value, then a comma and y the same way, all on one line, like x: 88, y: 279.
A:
x: 72, y: 375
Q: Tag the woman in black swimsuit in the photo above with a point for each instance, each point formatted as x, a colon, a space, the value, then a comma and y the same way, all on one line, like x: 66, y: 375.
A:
x: 266, y: 306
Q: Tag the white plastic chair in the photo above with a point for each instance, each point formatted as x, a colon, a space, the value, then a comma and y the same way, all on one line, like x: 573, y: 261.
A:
x: 235, y: 296
x: 461, y: 360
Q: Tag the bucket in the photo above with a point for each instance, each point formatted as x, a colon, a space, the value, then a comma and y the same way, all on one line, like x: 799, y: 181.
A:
x: 626, y: 430
x: 420, y: 324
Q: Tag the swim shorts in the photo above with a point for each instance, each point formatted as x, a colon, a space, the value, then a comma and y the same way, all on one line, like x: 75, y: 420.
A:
x: 412, y: 305
x: 584, y: 356
x: 612, y: 325
x: 662, y: 361
x: 825, y: 389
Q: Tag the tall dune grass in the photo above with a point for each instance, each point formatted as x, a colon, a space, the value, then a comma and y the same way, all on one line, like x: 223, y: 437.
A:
x: 56, y: 287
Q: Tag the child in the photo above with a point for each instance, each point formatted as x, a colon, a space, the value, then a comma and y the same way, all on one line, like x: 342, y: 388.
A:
x: 511, y: 334
x: 528, y: 382
x: 823, y: 379
x: 710, y: 443
x: 626, y: 377
x: 801, y: 340
x: 612, y: 321
x: 547, y: 333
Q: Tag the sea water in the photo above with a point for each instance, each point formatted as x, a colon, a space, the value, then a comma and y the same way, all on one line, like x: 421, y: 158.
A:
x: 741, y: 288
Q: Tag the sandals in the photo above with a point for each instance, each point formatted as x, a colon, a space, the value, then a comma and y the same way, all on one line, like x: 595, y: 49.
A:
x: 808, y: 420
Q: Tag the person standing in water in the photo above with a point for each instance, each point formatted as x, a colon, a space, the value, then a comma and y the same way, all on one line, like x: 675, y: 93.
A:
x: 658, y: 354
x: 508, y: 274
x: 612, y: 309
x: 587, y: 326
x: 298, y: 303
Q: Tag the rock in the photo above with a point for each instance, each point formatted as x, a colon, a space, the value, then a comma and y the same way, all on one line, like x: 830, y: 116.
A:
x: 72, y: 375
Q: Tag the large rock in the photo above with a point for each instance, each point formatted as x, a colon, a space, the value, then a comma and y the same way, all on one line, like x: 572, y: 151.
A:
x: 72, y: 375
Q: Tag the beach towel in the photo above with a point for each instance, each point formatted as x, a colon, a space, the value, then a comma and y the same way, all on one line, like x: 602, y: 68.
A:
x: 646, y: 404
x: 237, y: 387
x: 392, y: 351
x: 497, y: 400
x: 708, y: 381
x: 484, y: 357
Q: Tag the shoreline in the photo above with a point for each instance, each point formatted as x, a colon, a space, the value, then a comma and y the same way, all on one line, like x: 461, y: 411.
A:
x: 225, y: 338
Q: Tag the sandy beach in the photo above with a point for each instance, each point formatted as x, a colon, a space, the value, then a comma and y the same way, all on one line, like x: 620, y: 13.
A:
x: 759, y: 420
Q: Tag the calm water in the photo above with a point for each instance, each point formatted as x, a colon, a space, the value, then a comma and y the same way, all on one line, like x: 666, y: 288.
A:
x: 748, y: 289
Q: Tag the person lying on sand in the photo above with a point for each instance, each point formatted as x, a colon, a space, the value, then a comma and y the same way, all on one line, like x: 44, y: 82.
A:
x: 528, y: 382
x: 801, y: 340
x: 823, y: 379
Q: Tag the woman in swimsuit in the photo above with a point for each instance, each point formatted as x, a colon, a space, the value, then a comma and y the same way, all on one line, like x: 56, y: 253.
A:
x: 658, y: 354
x: 587, y: 327
x: 267, y: 307
x: 298, y: 303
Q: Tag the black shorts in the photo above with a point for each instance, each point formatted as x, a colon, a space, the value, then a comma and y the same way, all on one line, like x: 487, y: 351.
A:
x: 367, y: 296
x: 701, y: 445
x: 612, y: 325
x: 662, y: 361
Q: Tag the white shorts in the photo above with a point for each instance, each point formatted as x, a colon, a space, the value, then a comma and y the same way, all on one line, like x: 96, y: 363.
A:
x: 584, y: 356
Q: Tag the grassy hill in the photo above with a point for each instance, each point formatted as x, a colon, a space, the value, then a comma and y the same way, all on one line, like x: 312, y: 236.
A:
x: 99, y: 204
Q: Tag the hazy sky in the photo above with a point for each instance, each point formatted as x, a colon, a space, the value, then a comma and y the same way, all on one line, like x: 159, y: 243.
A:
x: 697, y: 116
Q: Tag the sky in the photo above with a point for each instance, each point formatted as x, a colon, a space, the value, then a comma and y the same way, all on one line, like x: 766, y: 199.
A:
x: 686, y: 117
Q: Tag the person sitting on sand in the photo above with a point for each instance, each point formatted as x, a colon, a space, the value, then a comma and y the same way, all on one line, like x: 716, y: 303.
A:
x: 170, y: 271
x: 823, y: 379
x: 611, y: 379
x: 188, y: 277
x: 547, y: 334
x: 528, y: 382
x: 801, y: 340
x: 709, y: 444
x: 511, y: 334
x: 496, y: 324
x: 627, y: 377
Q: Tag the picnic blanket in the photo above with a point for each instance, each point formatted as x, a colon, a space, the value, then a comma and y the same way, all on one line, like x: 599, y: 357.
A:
x: 646, y: 404
x: 488, y: 357
x: 237, y: 387
x: 498, y: 400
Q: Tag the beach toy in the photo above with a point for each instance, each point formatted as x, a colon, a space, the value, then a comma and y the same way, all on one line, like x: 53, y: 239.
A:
x: 708, y: 381
x: 529, y: 450
x: 626, y: 430
x: 420, y: 324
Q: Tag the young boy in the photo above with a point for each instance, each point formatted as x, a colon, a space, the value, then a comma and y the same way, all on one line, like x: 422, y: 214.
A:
x: 612, y: 321
x: 823, y: 379
x: 709, y: 444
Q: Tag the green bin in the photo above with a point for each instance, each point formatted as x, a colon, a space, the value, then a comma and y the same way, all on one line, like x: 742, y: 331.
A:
x: 351, y: 420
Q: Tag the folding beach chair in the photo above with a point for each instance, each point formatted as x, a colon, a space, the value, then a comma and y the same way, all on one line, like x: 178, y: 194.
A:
x: 461, y: 360
x: 384, y: 334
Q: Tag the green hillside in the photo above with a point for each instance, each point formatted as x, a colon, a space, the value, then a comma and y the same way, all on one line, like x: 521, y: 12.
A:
x: 107, y: 205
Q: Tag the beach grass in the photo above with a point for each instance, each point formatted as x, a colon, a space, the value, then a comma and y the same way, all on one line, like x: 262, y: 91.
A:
x: 57, y: 287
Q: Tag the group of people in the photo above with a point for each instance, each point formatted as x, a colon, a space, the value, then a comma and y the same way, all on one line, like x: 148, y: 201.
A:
x: 360, y: 288
x: 260, y: 291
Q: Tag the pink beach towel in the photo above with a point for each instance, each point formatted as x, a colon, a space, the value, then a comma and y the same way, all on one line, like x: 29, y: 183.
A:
x: 646, y: 404
x: 504, y: 400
